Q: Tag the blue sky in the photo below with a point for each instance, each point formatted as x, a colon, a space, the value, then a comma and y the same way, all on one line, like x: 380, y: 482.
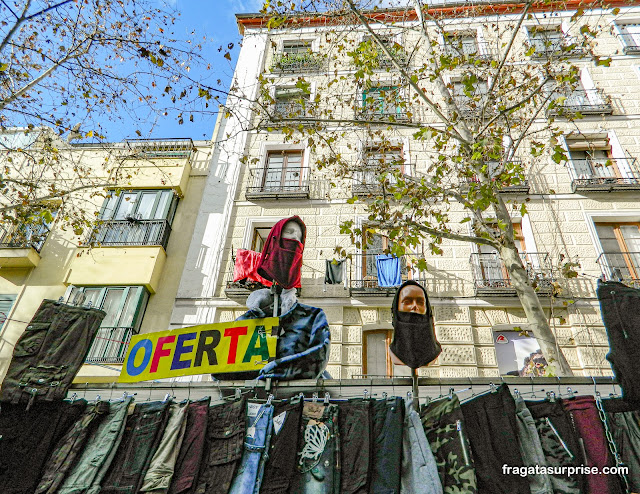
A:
x: 214, y: 19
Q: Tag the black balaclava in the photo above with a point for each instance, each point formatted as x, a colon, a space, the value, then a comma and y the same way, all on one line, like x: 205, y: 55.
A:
x: 414, y: 338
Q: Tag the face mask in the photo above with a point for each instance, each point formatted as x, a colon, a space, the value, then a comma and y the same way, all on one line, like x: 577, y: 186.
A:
x: 282, y: 261
x: 414, y: 339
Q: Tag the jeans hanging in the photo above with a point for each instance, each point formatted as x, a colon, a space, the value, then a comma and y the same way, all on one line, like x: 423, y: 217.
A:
x: 259, y: 426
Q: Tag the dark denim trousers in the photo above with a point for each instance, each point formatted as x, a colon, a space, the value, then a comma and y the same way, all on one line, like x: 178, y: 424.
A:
x: 318, y: 470
x: 70, y: 446
x: 27, y: 437
x: 185, y: 475
x: 281, y: 462
x: 490, y: 424
x: 142, y: 435
x: 50, y: 352
x: 356, y: 424
x: 620, y: 309
x: 388, y: 419
x: 223, y: 447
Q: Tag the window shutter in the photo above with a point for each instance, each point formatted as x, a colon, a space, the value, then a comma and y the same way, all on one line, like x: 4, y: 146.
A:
x: 6, y: 302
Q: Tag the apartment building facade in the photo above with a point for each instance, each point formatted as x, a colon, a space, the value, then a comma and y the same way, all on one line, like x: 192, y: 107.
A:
x: 584, y: 210
x: 128, y: 264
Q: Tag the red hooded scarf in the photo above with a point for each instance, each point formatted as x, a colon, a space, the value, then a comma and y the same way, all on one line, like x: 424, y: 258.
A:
x: 281, y: 259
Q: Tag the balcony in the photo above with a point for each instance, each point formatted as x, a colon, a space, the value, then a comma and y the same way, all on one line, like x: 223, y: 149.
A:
x: 555, y: 47
x: 278, y: 183
x: 110, y: 346
x: 620, y: 266
x: 382, y: 61
x: 179, y: 147
x: 583, y: 101
x: 604, y: 175
x: 462, y: 49
x: 366, y: 180
x: 240, y: 289
x: 292, y: 108
x: 491, y: 279
x: 631, y: 44
x: 363, y: 278
x: 131, y: 232
x: 297, y: 62
x: 519, y: 185
x: 20, y: 248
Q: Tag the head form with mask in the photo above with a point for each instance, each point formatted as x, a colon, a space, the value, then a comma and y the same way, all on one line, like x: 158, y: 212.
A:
x: 414, y: 339
x: 281, y: 258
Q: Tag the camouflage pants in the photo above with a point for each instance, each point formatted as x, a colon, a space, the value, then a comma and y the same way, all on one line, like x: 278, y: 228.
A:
x: 442, y: 422
x: 556, y: 454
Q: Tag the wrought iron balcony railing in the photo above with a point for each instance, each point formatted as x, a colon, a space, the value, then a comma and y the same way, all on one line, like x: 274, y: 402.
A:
x: 556, y: 47
x: 385, y: 62
x: 461, y: 49
x: 110, y: 345
x: 179, y: 147
x: 604, y: 175
x: 131, y: 232
x: 491, y: 277
x: 278, y: 183
x: 367, y: 179
x: 297, y: 62
x: 23, y: 238
x: 620, y: 266
x: 584, y: 101
x: 292, y: 108
x: 631, y: 45
x: 519, y: 185
x: 364, y: 277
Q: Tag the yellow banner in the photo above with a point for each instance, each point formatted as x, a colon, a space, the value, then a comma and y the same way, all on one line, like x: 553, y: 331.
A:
x: 206, y: 349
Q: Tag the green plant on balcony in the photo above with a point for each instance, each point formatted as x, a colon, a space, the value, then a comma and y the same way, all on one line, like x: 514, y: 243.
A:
x: 296, y: 61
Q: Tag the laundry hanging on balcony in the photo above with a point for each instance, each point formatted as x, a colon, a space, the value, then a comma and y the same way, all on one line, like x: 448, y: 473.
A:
x: 389, y: 270
x: 246, y: 265
x: 334, y: 271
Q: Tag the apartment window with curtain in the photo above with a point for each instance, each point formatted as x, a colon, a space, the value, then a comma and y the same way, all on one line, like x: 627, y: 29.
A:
x: 620, y: 258
x: 124, y: 305
x: 138, y: 217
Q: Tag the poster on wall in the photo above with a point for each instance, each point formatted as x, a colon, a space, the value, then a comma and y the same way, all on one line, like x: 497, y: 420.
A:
x: 236, y: 346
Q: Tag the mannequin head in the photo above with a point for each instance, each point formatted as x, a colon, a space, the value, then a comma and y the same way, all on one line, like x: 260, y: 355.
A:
x: 292, y: 230
x: 411, y: 299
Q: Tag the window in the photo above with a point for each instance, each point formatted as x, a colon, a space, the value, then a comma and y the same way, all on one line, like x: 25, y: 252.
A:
x: 141, y: 217
x: 291, y: 102
x: 124, y: 306
x: 591, y: 158
x: 389, y: 41
x: 547, y: 41
x: 259, y: 238
x: 32, y: 233
x: 620, y: 258
x: 377, y: 361
x: 470, y: 98
x: 6, y: 302
x: 379, y: 243
x: 383, y: 101
x: 630, y: 34
x: 297, y: 55
x: 464, y: 44
x: 375, y: 162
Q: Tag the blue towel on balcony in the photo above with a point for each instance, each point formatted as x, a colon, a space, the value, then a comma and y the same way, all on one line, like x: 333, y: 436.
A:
x: 389, y: 272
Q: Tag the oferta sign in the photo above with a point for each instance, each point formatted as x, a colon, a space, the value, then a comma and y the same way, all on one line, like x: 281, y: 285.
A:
x: 206, y: 349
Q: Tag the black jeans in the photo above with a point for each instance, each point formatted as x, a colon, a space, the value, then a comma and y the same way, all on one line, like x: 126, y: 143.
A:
x: 142, y: 434
x: 623, y: 420
x: 490, y: 424
x: 50, y: 352
x: 223, y: 447
x: 318, y: 471
x: 27, y: 438
x: 356, y: 423
x: 388, y: 420
x: 283, y: 451
x: 620, y: 308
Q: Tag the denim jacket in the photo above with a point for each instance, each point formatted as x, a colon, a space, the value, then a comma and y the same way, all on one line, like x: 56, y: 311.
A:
x: 303, y: 343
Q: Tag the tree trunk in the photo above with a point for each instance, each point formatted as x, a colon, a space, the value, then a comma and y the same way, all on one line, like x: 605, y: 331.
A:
x: 533, y: 309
